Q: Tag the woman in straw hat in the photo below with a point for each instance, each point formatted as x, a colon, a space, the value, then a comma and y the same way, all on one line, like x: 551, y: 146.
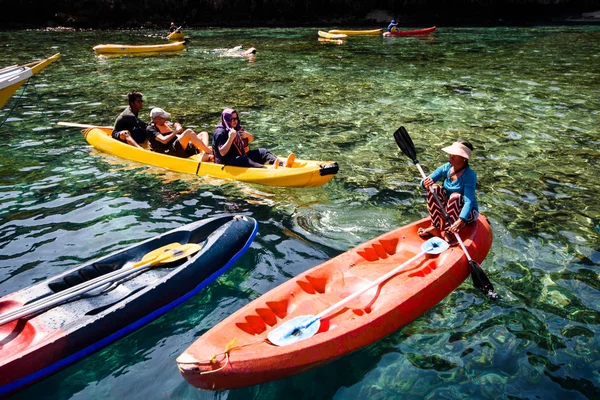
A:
x: 457, y: 194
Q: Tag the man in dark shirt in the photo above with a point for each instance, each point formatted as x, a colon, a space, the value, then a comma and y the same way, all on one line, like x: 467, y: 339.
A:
x: 128, y: 127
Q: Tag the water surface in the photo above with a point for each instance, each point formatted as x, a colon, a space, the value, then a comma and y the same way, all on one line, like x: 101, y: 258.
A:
x: 527, y: 98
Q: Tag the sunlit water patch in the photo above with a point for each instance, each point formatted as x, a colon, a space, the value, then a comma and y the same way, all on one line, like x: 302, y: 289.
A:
x: 527, y: 98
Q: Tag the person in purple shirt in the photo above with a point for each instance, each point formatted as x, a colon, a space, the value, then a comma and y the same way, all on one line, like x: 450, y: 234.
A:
x: 230, y: 143
x: 457, y: 194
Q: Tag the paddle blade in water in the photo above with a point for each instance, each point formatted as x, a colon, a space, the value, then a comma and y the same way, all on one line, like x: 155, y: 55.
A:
x: 295, y: 330
x: 481, y: 281
x: 405, y: 143
x: 435, y: 245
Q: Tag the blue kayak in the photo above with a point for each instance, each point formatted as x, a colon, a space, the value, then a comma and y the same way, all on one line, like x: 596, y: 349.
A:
x: 52, y: 324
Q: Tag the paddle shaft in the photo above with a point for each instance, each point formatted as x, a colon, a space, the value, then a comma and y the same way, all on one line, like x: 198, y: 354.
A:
x: 61, y: 297
x: 172, y: 254
x: 446, y: 216
x: 77, y: 125
x: 102, y: 278
x: 371, y: 285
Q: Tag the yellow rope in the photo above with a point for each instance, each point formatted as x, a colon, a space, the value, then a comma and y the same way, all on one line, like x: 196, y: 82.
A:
x: 228, y: 349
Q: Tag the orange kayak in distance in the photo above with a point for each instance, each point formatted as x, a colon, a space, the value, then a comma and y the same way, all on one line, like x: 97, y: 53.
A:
x: 237, y: 352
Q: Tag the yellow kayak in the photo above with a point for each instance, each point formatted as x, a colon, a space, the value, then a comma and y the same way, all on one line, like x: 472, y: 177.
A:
x: 13, y: 77
x: 126, y: 49
x: 175, y: 36
x: 327, y: 35
x: 370, y: 32
x: 303, y: 173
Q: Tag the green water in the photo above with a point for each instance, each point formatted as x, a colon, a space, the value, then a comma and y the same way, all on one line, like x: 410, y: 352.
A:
x: 527, y: 98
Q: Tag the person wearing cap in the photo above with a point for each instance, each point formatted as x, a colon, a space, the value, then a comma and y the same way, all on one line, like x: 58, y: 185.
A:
x: 178, y: 142
x: 393, y: 26
x: 230, y: 149
x: 128, y: 127
x: 457, y: 193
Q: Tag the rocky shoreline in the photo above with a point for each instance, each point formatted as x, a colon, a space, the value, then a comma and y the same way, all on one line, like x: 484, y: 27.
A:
x: 374, y: 18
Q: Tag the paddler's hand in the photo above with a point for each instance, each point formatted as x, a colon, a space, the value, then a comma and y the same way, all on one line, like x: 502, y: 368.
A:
x: 457, y: 225
x: 427, y: 182
x: 178, y: 127
x: 232, y: 133
x: 123, y: 134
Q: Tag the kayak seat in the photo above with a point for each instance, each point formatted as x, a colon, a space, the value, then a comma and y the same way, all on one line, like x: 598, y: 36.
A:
x: 426, y: 270
x: 267, y: 316
x: 82, y: 275
x: 279, y: 308
x: 318, y: 283
x: 307, y: 287
x: 389, y: 245
x: 252, y: 324
x: 257, y: 323
x: 105, y: 306
x: 368, y: 253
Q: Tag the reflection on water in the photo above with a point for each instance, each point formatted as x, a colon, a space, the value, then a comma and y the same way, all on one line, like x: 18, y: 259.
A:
x: 527, y: 98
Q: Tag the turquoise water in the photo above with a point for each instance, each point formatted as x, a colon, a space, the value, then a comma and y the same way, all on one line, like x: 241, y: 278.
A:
x: 527, y: 98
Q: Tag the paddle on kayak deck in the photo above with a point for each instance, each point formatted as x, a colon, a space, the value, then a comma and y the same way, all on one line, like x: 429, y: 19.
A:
x: 166, y: 254
x: 305, y: 326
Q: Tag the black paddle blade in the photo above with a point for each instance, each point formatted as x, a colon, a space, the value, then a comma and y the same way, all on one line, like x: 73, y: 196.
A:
x: 481, y: 281
x: 405, y: 143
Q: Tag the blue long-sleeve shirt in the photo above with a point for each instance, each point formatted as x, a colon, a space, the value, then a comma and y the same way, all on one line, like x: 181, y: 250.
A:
x: 464, y: 184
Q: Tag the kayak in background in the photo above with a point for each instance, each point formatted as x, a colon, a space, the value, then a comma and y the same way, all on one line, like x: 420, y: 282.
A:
x: 13, y: 77
x: 326, y: 35
x: 370, y: 32
x: 130, y: 49
x: 415, y: 32
x: 396, y: 280
x: 303, y: 173
x: 176, y: 36
x: 63, y: 319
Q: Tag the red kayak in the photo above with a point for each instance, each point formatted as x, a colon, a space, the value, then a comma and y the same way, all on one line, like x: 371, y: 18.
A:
x: 402, y: 281
x: 415, y: 32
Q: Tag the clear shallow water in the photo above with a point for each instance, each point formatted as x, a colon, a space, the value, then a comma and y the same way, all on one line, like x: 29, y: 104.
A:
x: 527, y: 98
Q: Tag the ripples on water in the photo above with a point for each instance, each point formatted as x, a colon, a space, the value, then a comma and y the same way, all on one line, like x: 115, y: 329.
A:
x: 528, y: 99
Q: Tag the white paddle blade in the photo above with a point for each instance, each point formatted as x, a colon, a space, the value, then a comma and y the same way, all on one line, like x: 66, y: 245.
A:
x: 295, y: 330
x: 435, y: 245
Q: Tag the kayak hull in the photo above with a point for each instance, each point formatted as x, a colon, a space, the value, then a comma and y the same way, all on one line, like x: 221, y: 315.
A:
x: 127, y: 49
x: 214, y: 363
x: 369, y: 32
x: 32, y: 348
x: 415, y: 32
x: 175, y: 36
x: 327, y: 35
x: 12, y: 78
x: 304, y: 173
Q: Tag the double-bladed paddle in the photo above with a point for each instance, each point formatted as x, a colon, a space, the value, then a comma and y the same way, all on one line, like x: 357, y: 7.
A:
x: 305, y: 326
x: 480, y: 279
x: 77, y: 125
x: 163, y: 255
